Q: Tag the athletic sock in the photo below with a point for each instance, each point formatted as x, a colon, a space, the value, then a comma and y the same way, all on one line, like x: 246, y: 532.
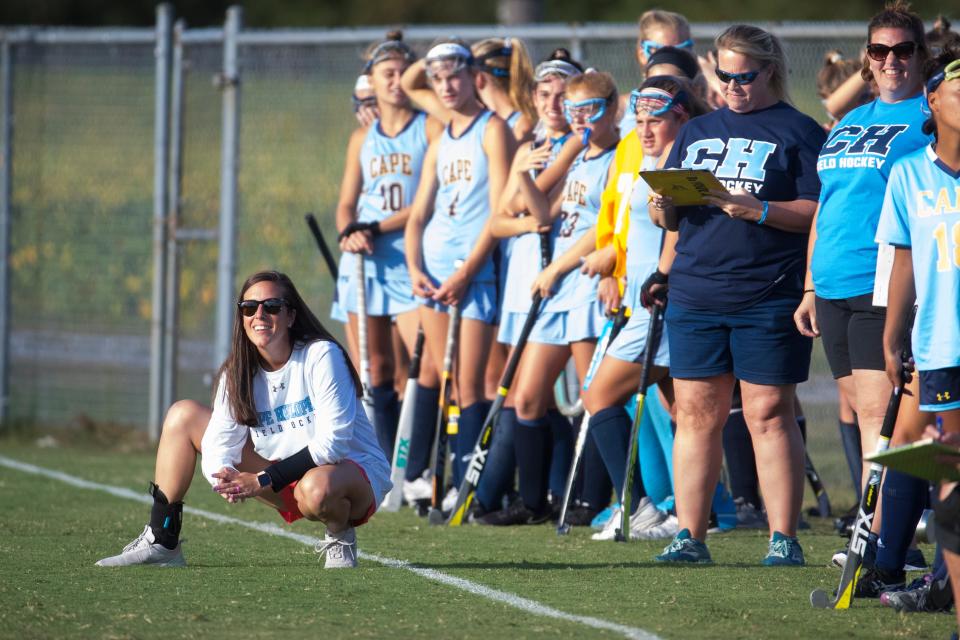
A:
x: 501, y: 462
x: 595, y: 485
x: 471, y: 421
x: 424, y: 423
x: 741, y: 463
x: 902, y: 499
x: 386, y: 414
x: 532, y: 448
x: 165, y: 518
x: 561, y: 432
x: 850, y: 437
x: 610, y: 429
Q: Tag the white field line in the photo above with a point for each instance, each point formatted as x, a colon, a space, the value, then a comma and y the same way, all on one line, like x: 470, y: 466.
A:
x: 510, y: 599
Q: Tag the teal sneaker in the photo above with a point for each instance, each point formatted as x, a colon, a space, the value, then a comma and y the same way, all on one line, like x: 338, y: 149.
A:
x: 685, y: 549
x: 784, y: 552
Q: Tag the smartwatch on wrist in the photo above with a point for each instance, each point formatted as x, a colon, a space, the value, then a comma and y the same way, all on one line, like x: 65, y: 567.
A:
x: 264, y: 479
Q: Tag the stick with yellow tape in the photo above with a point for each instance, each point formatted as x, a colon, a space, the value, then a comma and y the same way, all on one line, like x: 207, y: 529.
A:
x: 478, y: 459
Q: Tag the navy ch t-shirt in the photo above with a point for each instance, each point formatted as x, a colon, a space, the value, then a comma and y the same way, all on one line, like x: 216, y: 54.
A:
x: 724, y: 264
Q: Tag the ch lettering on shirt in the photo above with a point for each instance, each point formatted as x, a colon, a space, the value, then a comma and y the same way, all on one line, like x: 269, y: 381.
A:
x: 930, y: 204
x: 390, y: 163
x: 738, y: 163
x: 456, y: 171
x: 288, y: 416
x: 855, y: 147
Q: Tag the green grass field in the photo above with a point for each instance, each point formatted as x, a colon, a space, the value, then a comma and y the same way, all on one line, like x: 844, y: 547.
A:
x: 251, y: 584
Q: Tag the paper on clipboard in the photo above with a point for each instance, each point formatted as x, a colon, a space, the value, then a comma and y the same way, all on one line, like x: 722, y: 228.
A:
x: 686, y: 186
x: 920, y: 459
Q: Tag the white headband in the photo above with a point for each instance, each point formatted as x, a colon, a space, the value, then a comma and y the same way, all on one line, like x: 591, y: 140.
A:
x: 446, y: 50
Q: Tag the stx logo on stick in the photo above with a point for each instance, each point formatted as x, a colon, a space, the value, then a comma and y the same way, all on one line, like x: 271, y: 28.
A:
x: 473, y: 471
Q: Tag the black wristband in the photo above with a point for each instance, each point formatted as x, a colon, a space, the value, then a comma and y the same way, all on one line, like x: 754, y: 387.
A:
x: 290, y: 469
x: 353, y: 227
x: 374, y: 229
x: 658, y: 277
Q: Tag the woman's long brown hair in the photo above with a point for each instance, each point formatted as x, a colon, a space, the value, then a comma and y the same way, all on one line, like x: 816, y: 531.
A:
x: 243, y: 363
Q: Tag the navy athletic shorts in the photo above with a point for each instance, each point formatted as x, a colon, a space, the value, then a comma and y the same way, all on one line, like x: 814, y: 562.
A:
x: 940, y: 389
x: 759, y: 344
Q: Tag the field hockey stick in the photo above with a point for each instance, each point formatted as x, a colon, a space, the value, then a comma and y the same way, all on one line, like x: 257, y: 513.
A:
x: 652, y: 344
x: 857, y: 547
x: 365, y: 380
x: 478, y: 458
x: 322, y: 244
x: 823, y: 500
x: 609, y: 333
x: 435, y: 516
x: 401, y: 450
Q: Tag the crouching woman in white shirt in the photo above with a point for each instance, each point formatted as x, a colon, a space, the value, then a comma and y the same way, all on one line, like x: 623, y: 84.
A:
x: 287, y: 428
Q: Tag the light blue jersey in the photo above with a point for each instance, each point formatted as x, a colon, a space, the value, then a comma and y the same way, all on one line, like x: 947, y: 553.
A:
x: 391, y: 172
x: 580, y: 202
x: 921, y: 211
x: 462, y: 203
x: 643, y: 237
x: 854, y: 166
x: 512, y: 119
x: 524, y: 256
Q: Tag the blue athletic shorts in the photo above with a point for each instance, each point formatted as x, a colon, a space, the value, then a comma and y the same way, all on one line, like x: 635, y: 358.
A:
x: 940, y: 389
x: 759, y: 344
x: 631, y: 342
x: 478, y: 303
x: 562, y: 327
x: 384, y: 297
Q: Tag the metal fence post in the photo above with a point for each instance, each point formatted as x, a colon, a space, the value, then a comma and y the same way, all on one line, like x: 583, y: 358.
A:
x: 172, y: 283
x: 6, y: 195
x: 161, y: 146
x: 230, y: 85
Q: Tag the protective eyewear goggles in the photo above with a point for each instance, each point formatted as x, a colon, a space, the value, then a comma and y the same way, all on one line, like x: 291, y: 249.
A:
x: 949, y: 72
x: 359, y: 103
x: 555, y: 68
x: 388, y: 50
x: 902, y: 50
x: 499, y: 72
x: 589, y: 110
x: 741, y: 79
x: 656, y: 102
x: 272, y: 306
x: 650, y: 46
x: 449, y: 57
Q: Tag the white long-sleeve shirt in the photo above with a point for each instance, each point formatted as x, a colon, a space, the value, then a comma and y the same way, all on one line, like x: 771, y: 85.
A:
x: 309, y: 402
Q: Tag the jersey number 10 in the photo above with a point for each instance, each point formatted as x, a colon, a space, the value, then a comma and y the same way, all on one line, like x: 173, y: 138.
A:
x: 392, y: 195
x: 943, y: 250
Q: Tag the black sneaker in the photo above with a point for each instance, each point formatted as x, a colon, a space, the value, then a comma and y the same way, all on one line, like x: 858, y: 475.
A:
x: 581, y: 515
x: 876, y: 581
x: 475, y: 512
x: 516, y: 513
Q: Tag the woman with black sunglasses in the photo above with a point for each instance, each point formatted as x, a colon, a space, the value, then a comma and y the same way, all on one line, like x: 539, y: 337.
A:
x: 735, y: 281
x: 287, y: 428
x: 844, y: 300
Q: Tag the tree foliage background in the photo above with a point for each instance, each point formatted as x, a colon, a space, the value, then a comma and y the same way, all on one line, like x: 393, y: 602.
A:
x: 330, y: 13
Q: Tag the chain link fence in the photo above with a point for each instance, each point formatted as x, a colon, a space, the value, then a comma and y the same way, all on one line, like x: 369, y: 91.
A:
x: 81, y: 213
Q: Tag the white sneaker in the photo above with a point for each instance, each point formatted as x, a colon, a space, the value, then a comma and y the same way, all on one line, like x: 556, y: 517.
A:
x: 663, y: 530
x: 419, y: 489
x: 450, y: 500
x: 146, y: 550
x: 609, y: 530
x: 340, y: 548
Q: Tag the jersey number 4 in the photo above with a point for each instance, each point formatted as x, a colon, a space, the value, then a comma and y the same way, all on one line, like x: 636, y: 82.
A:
x: 943, y: 246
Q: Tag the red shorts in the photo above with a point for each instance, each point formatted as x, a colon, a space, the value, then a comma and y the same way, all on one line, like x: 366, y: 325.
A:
x: 291, y: 512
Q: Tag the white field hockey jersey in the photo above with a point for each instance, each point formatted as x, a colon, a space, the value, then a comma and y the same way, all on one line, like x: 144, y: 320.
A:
x: 310, y: 402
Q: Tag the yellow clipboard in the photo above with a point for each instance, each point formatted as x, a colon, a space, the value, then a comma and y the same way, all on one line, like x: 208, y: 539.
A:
x: 919, y: 459
x: 686, y: 186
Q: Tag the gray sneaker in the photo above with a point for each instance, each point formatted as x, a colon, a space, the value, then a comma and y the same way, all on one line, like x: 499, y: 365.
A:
x: 146, y: 550
x: 748, y: 516
x: 340, y: 549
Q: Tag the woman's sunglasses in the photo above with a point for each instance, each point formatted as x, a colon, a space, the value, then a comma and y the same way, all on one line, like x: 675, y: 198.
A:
x: 272, y: 306
x: 902, y: 50
x: 740, y: 78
